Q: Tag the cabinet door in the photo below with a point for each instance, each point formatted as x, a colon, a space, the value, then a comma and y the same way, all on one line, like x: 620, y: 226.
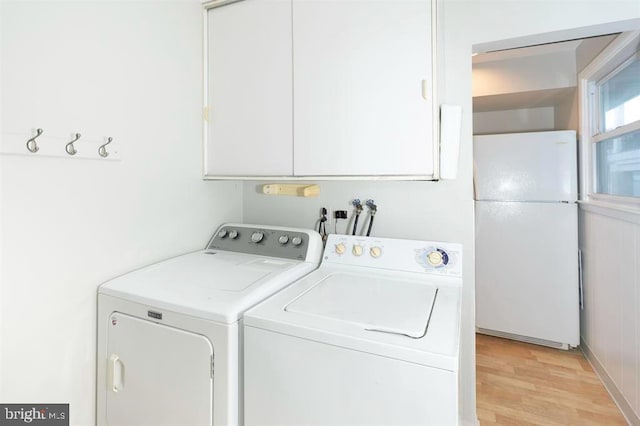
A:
x: 358, y: 87
x: 249, y: 74
x: 157, y: 375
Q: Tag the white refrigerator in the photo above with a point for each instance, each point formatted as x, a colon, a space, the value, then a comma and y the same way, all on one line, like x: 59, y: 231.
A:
x: 527, y: 260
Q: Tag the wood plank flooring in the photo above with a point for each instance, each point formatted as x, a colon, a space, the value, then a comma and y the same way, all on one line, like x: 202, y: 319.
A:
x: 523, y: 384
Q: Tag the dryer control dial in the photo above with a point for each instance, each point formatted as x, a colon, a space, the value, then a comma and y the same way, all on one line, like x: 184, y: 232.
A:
x: 357, y: 250
x: 222, y: 233
x: 283, y: 239
x: 296, y: 241
x: 340, y: 248
x: 233, y: 234
x: 257, y: 236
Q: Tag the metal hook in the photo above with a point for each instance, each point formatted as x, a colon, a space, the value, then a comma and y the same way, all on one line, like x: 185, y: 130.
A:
x: 102, y: 150
x: 32, y: 146
x: 71, y: 150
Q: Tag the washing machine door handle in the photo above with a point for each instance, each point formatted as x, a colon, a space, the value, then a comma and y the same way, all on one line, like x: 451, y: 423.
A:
x: 115, y: 373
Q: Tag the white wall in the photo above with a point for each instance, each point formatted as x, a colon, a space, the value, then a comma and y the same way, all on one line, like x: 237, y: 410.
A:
x: 404, y: 208
x: 562, y: 116
x: 610, y: 322
x: 444, y: 210
x: 566, y: 113
x: 526, y: 74
x: 589, y: 48
x: 514, y: 120
x: 130, y: 70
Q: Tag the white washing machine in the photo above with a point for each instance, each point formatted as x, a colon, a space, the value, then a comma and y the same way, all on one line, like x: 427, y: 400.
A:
x: 371, y: 337
x: 170, y: 334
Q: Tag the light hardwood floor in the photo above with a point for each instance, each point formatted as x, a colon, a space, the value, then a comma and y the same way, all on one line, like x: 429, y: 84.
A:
x: 524, y: 384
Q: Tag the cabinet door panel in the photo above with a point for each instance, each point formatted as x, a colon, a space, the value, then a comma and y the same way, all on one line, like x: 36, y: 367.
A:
x: 358, y: 99
x: 249, y: 89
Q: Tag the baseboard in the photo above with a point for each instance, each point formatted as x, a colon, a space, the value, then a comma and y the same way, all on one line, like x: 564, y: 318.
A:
x: 525, y: 339
x: 619, y: 399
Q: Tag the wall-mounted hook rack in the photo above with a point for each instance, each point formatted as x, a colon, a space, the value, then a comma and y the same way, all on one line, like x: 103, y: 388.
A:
x: 32, y: 146
x: 61, y: 146
x: 71, y: 150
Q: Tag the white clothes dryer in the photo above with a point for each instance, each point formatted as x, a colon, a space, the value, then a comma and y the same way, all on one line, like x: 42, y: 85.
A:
x: 371, y: 337
x: 170, y: 334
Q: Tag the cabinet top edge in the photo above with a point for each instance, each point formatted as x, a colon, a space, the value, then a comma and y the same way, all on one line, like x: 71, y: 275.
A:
x: 430, y: 178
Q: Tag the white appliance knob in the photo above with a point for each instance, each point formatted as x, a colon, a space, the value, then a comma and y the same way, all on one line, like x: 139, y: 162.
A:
x: 357, y: 250
x: 435, y: 258
x: 257, y: 236
x: 222, y: 233
x: 233, y: 234
x: 296, y: 241
x: 375, y: 252
x: 340, y: 248
x: 284, y: 239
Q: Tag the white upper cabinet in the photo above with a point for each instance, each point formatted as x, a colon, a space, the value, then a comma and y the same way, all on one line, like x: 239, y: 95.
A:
x: 249, y: 127
x: 359, y: 70
x: 320, y: 88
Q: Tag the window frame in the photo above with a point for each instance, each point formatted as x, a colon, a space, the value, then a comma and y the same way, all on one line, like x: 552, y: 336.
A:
x: 612, y: 59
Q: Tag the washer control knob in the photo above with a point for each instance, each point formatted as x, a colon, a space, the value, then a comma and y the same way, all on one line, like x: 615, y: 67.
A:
x: 233, y: 234
x: 357, y: 250
x: 284, y: 239
x: 296, y: 241
x: 375, y: 252
x: 222, y: 233
x: 340, y: 248
x: 435, y: 258
x: 257, y: 236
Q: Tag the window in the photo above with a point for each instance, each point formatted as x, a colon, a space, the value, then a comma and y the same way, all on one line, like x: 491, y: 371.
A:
x: 610, y: 122
x: 618, y: 165
x: 619, y: 95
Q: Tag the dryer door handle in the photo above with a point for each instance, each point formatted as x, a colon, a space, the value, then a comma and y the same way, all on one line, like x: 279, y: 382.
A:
x: 115, y: 373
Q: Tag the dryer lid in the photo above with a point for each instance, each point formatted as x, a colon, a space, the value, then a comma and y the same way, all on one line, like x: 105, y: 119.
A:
x: 376, y: 304
x: 214, y: 285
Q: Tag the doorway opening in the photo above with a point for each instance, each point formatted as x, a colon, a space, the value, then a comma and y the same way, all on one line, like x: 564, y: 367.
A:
x: 531, y: 89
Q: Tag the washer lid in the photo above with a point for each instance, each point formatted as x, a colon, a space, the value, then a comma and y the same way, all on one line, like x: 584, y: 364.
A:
x: 375, y: 304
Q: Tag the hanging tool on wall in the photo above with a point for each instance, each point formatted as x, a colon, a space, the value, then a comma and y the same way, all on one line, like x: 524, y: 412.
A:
x: 299, y: 190
x: 322, y: 228
x: 337, y: 215
x: 358, y: 209
x: 373, y: 209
